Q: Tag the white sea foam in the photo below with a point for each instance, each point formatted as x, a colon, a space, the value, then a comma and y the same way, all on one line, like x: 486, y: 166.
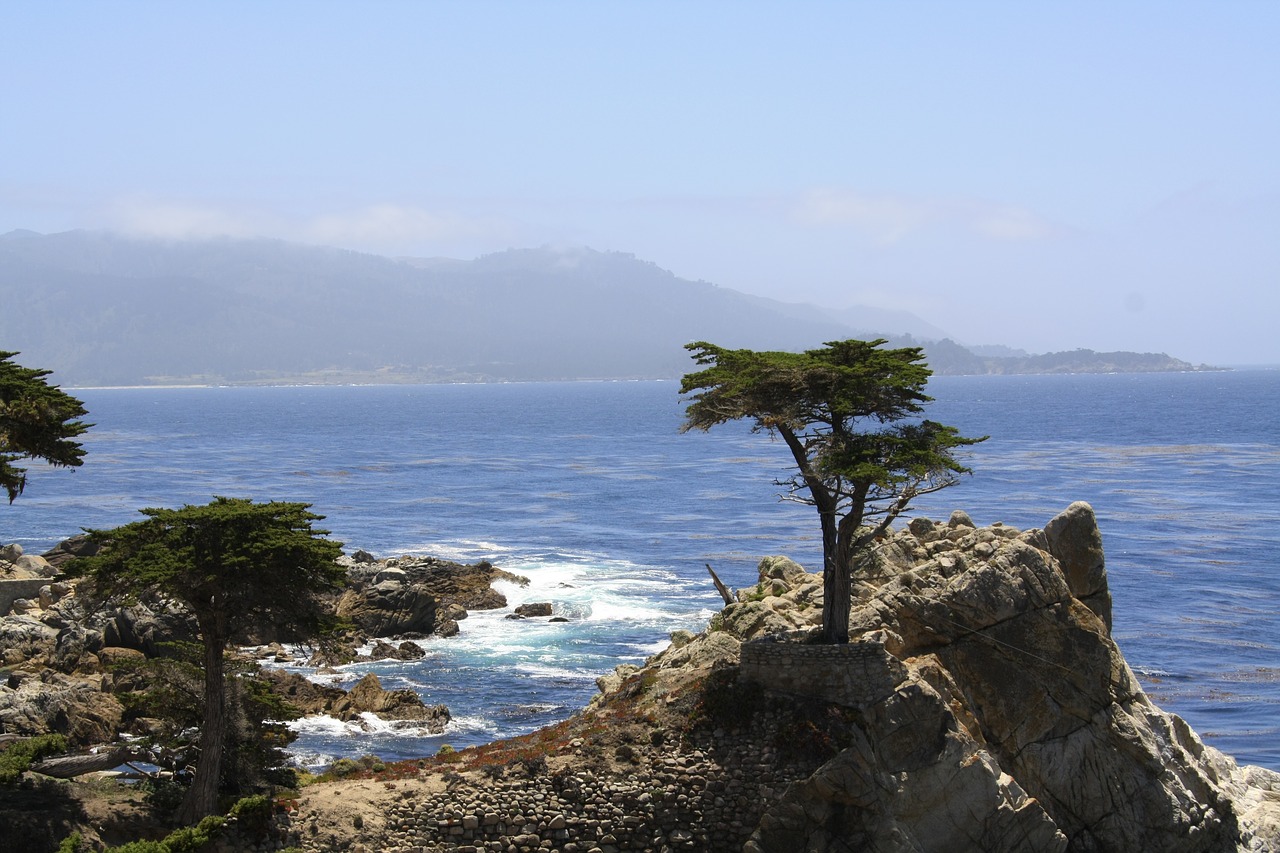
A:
x: 470, y: 723
x: 650, y: 649
x: 544, y: 670
x: 365, y: 724
x: 626, y: 611
x: 457, y: 550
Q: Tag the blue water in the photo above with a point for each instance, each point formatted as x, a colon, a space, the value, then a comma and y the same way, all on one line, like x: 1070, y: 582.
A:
x: 589, y: 490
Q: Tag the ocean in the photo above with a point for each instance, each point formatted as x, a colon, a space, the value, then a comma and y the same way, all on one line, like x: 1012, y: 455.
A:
x: 590, y: 491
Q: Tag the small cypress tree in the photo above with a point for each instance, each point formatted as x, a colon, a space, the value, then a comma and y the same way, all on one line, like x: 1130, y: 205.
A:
x: 233, y: 564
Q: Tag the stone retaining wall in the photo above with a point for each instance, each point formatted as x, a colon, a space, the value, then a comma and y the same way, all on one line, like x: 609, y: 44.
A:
x: 705, y: 800
x: 12, y: 590
x: 857, y: 674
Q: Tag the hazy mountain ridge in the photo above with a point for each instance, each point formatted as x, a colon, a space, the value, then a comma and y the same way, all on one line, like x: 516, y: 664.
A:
x: 100, y: 309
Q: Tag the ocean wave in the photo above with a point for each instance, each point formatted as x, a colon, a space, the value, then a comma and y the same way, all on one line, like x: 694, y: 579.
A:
x: 546, y: 670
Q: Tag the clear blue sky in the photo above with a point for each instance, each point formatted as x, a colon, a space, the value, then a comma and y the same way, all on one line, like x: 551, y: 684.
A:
x: 1044, y: 175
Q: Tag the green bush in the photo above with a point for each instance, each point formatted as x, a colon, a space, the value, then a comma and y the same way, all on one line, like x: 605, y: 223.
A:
x: 19, y: 756
x: 162, y: 795
x: 188, y: 839
x: 343, y: 767
x: 253, y: 814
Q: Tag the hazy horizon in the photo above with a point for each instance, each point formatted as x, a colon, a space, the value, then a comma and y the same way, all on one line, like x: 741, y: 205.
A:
x: 1043, y: 177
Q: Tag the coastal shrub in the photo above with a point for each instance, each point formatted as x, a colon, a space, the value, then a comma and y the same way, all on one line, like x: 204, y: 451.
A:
x: 162, y: 795
x: 188, y: 839
x: 70, y: 844
x: 533, y: 765
x: 19, y: 756
x: 253, y: 814
x: 342, y: 767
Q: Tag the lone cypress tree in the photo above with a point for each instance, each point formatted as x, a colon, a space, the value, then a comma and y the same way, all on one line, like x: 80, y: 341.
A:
x: 849, y: 415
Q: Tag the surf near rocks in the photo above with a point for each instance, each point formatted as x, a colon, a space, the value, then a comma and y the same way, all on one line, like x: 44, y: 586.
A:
x: 982, y: 706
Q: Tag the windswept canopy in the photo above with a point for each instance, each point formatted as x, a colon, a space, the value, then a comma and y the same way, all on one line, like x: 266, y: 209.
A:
x: 850, y: 413
x: 236, y: 565
x: 37, y: 421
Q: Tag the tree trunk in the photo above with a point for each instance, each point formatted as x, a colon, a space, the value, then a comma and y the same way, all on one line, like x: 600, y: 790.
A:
x: 70, y: 766
x: 202, y: 797
x: 837, y: 594
x: 720, y: 587
x: 836, y: 586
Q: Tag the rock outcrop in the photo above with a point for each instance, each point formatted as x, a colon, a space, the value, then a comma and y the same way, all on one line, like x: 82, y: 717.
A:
x: 981, y: 706
x: 990, y: 710
x: 417, y: 595
x: 62, y: 649
x: 368, y: 696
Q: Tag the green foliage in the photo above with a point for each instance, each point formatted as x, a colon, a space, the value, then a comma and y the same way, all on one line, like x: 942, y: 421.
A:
x: 235, y: 565
x: 232, y: 562
x: 253, y: 815
x: 163, y: 795
x: 849, y: 413
x: 37, y: 421
x: 15, y: 760
x: 188, y: 839
x: 70, y: 844
x: 342, y: 767
x: 846, y: 411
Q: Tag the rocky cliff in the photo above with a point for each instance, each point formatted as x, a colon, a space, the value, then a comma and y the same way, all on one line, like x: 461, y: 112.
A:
x: 982, y: 706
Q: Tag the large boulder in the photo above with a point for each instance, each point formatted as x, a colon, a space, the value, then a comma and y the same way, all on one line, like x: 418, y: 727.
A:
x: 79, y: 545
x: 390, y: 608
x: 368, y: 696
x: 305, y: 695
x: 1075, y: 542
x: 418, y: 595
x: 49, y: 702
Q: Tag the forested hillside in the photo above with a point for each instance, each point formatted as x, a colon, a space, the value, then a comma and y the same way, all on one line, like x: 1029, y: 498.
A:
x: 100, y: 309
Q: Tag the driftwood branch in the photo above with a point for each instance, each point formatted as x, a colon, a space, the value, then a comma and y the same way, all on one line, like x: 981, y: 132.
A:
x: 723, y: 590
x: 69, y: 766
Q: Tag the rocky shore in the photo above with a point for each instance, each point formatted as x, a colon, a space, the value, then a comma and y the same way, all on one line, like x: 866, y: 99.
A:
x: 981, y: 706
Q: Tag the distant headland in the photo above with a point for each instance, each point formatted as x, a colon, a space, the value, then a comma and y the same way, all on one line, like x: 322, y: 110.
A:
x: 104, y: 310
